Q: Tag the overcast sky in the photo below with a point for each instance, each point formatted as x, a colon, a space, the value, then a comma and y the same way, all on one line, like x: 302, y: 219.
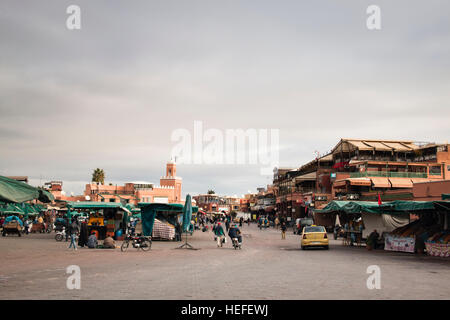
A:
x: 110, y: 95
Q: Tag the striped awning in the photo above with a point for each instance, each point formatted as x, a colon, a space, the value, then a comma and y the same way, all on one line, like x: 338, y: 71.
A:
x: 401, y: 182
x: 360, y: 182
x: 380, y: 182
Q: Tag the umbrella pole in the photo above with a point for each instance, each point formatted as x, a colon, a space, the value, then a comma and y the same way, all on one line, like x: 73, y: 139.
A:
x: 186, y: 245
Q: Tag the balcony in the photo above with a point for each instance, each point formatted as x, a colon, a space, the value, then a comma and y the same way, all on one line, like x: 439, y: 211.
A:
x: 388, y: 174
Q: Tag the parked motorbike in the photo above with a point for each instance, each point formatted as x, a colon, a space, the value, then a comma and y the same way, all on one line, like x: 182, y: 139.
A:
x: 138, y: 242
x: 60, y: 235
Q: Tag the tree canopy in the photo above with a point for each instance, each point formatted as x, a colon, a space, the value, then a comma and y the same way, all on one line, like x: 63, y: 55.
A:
x: 98, y: 176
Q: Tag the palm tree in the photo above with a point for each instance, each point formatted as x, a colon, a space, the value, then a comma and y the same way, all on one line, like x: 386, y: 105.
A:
x: 98, y: 176
x: 211, y: 191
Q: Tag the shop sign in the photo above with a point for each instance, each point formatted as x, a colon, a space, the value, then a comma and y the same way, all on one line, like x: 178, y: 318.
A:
x: 402, y: 244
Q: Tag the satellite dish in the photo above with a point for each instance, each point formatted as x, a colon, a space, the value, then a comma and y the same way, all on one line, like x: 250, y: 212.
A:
x: 63, y: 193
x: 71, y: 194
x: 87, y: 198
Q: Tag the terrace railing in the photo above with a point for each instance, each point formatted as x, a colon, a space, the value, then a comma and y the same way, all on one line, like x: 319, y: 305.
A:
x: 388, y: 174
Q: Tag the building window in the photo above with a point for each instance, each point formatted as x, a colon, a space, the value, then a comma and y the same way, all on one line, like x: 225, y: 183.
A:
x: 435, y: 171
x: 112, y: 200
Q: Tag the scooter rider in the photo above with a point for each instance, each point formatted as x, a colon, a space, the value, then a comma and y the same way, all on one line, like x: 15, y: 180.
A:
x: 234, y: 232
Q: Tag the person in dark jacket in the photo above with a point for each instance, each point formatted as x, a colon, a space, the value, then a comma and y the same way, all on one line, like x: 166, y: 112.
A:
x: 84, y: 234
x: 73, y: 234
x: 227, y: 224
x: 178, y: 232
x: 283, y: 230
x: 68, y: 227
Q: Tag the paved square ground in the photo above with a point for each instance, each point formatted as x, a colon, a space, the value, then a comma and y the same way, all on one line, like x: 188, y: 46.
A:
x: 267, y: 267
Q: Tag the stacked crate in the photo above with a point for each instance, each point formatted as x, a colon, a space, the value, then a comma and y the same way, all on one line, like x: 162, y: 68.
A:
x: 110, y: 228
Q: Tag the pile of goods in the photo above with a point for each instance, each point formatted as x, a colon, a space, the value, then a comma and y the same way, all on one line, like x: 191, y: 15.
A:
x: 439, y: 244
x: 163, y: 230
x: 12, y: 224
x: 417, y: 236
x: 410, y: 230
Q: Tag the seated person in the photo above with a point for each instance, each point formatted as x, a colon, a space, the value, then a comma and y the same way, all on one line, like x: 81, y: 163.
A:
x: 373, y: 238
x: 234, y: 232
x: 109, y: 243
x: 92, y: 241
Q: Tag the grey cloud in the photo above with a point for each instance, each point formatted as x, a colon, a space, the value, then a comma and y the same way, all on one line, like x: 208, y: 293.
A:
x: 110, y: 94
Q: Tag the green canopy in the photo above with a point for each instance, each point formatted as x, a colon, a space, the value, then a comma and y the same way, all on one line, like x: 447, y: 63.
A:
x: 30, y: 209
x: 355, y: 207
x: 393, y: 207
x: 419, y: 206
x: 94, y: 205
x: 148, y: 213
x: 17, y: 191
x: 333, y: 206
x: 11, y: 208
x: 45, y: 196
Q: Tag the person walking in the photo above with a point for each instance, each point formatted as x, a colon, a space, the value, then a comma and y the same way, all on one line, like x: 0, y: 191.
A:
x: 227, y: 224
x: 277, y: 223
x: 73, y: 235
x: 220, y: 235
x: 283, y: 231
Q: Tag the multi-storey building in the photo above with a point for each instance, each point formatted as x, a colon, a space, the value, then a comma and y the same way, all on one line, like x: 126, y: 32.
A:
x: 368, y: 168
x: 358, y: 169
x: 212, y: 203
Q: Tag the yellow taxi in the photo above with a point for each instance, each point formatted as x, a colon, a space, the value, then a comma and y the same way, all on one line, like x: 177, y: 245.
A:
x: 314, y: 236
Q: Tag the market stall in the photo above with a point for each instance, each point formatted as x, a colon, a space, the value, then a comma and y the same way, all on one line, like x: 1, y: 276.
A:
x: 360, y: 218
x: 430, y: 233
x: 168, y: 214
x: 104, y: 218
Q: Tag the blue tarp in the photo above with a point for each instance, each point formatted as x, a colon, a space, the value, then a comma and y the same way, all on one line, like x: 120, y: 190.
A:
x: 11, y: 218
